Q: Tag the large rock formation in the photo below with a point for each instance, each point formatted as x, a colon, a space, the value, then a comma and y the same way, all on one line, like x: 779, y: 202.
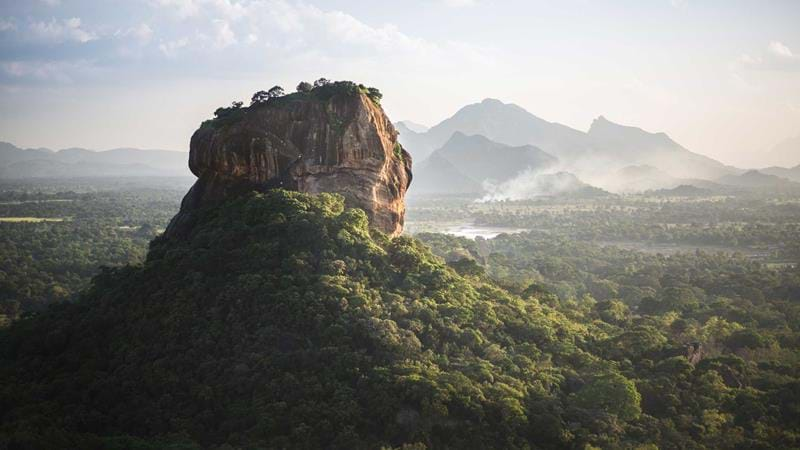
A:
x: 335, y: 138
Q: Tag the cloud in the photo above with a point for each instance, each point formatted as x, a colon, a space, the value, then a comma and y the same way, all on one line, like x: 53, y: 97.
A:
x: 184, y: 8
x: 224, y: 36
x: 141, y: 33
x: 680, y: 4
x: 776, y: 56
x: 780, y: 49
x: 292, y: 28
x: 170, y: 48
x: 7, y: 25
x: 60, y: 31
x: 51, y: 2
x: 45, y: 71
x: 459, y: 3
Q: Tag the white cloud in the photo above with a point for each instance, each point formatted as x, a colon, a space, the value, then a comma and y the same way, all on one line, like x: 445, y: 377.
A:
x: 184, y: 8
x: 776, y: 56
x: 59, y: 31
x: 749, y: 60
x: 780, y: 49
x: 297, y: 27
x: 51, y: 2
x: 142, y: 33
x: 7, y: 25
x: 459, y: 3
x: 224, y: 36
x: 49, y: 71
x: 170, y: 48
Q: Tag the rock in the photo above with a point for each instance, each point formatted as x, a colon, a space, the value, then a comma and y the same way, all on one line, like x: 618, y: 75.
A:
x: 332, y: 139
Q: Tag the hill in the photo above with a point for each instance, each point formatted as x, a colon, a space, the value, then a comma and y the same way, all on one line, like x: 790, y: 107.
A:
x: 17, y: 163
x: 464, y: 163
x: 792, y: 174
x: 437, y: 175
x: 281, y: 321
x: 757, y: 179
x: 684, y: 190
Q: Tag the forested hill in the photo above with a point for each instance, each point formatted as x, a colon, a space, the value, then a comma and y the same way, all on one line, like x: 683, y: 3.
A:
x: 283, y: 321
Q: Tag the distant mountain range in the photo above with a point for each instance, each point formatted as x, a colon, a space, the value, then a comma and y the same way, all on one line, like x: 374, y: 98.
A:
x: 790, y: 174
x: 607, y: 146
x: 18, y: 163
x: 757, y: 179
x: 459, y: 154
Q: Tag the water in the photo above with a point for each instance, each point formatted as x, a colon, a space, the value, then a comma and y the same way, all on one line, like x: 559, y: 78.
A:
x: 471, y: 231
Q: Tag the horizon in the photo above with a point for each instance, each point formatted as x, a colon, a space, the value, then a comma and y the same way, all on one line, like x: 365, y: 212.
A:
x: 427, y: 126
x: 144, y: 74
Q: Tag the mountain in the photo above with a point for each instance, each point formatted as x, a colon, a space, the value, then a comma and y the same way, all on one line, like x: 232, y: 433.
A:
x: 437, y: 175
x: 786, y: 153
x: 464, y: 163
x: 282, y: 321
x: 684, y: 190
x: 333, y: 138
x: 593, y: 155
x: 634, y: 146
x: 792, y: 174
x: 756, y: 179
x: 17, y: 163
x: 413, y: 126
x: 416, y: 143
x: 507, y: 124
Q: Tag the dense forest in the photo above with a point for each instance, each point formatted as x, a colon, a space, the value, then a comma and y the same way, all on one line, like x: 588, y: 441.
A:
x: 283, y: 321
x: 55, y: 235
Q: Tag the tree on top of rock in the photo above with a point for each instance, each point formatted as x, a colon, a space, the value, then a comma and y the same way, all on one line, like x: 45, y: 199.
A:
x: 263, y: 96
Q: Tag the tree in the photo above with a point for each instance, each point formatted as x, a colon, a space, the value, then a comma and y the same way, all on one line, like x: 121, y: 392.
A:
x: 259, y: 97
x: 304, y: 86
x: 275, y: 92
x: 375, y: 95
x: 236, y: 105
x: 746, y: 338
x: 613, y: 393
x: 321, y: 82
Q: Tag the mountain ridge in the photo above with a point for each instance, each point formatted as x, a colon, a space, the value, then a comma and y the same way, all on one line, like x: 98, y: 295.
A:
x: 19, y: 163
x: 605, y: 147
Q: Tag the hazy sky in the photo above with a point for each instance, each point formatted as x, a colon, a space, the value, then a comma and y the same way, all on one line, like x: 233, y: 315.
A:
x: 722, y: 77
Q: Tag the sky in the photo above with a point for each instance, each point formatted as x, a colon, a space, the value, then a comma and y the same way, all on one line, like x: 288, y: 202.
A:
x: 721, y: 77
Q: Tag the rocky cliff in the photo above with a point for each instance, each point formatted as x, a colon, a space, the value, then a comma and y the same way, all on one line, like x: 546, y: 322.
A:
x: 334, y: 138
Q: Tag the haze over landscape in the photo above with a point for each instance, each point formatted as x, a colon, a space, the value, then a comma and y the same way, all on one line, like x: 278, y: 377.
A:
x: 145, y: 72
x: 435, y: 224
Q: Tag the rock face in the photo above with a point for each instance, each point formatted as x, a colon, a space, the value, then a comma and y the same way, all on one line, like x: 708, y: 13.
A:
x: 342, y: 143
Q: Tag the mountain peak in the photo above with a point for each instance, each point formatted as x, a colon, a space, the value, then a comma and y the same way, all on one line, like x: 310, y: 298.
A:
x: 491, y: 101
